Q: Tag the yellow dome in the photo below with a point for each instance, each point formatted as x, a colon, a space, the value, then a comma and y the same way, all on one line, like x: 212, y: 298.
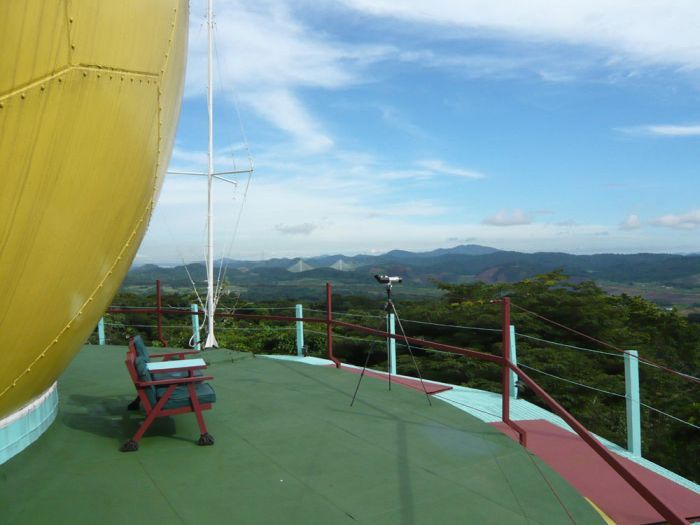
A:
x: 90, y: 93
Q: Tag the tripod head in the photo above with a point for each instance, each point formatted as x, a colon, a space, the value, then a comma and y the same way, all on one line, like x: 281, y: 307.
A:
x: 389, y: 281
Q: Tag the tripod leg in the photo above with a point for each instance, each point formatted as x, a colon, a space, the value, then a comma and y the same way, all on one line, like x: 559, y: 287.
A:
x: 362, y: 374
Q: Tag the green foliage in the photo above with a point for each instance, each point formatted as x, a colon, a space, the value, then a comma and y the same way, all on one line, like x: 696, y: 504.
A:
x: 623, y: 321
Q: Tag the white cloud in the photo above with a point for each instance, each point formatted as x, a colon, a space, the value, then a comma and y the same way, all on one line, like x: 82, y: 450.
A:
x: 355, y: 219
x: 268, y: 57
x: 296, y: 229
x: 504, y: 218
x: 438, y: 166
x: 395, y: 119
x: 543, y: 64
x: 285, y: 111
x: 631, y: 223
x: 685, y: 221
x: 654, y: 31
x: 664, y: 130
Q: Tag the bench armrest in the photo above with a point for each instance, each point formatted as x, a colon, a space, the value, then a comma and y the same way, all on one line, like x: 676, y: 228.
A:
x: 177, y: 365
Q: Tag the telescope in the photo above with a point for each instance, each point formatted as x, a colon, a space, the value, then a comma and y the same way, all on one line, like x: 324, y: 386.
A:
x: 386, y: 279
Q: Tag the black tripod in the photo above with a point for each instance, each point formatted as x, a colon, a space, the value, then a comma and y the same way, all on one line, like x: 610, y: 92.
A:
x: 389, y: 308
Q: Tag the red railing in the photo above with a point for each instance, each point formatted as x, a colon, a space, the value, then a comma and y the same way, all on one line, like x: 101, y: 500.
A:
x: 507, y: 365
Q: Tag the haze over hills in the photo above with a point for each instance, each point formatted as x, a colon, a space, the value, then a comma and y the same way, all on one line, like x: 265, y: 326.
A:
x: 664, y: 278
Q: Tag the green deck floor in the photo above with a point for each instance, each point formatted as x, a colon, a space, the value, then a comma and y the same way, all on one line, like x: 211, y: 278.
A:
x: 289, y: 449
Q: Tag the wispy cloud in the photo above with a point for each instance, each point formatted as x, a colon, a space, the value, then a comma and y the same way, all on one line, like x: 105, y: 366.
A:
x: 296, y: 229
x: 439, y: 167
x: 505, y: 218
x: 394, y: 118
x: 663, y: 130
x: 285, y: 111
x: 684, y: 221
x: 631, y: 223
x: 268, y: 56
x: 648, y: 32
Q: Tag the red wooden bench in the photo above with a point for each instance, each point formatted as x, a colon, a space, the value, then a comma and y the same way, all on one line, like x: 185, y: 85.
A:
x: 168, y: 387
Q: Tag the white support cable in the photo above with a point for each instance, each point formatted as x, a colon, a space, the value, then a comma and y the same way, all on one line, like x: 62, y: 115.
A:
x: 524, y: 336
x: 652, y: 365
x: 224, y: 179
x: 238, y: 112
x: 478, y: 328
x: 223, y: 267
x: 609, y: 393
x: 411, y: 321
x: 571, y: 381
x: 222, y: 274
x: 357, y: 316
x: 232, y: 172
x: 669, y: 415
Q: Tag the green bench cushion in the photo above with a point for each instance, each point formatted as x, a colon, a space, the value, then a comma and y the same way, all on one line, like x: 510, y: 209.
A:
x: 181, y: 396
x: 141, y: 348
x: 144, y: 374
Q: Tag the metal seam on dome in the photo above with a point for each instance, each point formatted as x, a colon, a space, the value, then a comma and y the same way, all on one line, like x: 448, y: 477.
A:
x: 173, y: 26
x: 60, y: 73
x: 63, y: 330
x: 69, y: 24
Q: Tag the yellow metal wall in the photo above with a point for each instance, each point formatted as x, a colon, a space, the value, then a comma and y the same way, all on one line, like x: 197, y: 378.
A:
x: 90, y: 93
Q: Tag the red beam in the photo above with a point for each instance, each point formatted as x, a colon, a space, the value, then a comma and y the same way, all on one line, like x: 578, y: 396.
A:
x: 667, y: 512
x: 329, y: 324
x: 159, y: 310
x: 505, y: 374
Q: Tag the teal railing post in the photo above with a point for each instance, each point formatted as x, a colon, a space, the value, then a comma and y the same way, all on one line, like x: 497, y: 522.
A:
x: 391, y: 344
x: 514, y: 360
x: 299, y: 314
x: 101, y: 331
x: 195, y: 327
x: 634, y: 425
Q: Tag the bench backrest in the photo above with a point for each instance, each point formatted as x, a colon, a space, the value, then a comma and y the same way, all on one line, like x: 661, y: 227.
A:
x: 138, y: 371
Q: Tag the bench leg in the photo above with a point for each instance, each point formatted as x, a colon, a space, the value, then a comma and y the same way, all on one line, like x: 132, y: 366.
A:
x: 205, y: 438
x: 133, y: 444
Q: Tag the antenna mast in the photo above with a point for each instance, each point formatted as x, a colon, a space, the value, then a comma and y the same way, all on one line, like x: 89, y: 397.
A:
x: 211, y: 306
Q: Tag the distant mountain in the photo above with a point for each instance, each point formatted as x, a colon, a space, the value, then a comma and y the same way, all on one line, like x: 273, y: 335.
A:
x: 462, y: 249
x: 637, y: 273
x: 362, y: 259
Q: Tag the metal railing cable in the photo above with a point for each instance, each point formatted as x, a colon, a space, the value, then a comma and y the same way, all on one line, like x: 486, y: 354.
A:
x: 620, y: 351
x: 583, y: 385
x: 669, y: 415
x: 462, y: 327
x: 411, y: 321
x: 573, y: 347
x: 609, y: 345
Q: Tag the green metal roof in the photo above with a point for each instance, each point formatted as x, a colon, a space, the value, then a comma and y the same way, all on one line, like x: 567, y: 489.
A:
x: 289, y: 449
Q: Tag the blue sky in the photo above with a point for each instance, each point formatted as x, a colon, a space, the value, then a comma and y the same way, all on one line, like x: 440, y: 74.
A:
x: 374, y: 125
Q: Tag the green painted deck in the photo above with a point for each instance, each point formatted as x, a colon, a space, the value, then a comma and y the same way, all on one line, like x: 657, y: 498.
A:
x: 289, y: 449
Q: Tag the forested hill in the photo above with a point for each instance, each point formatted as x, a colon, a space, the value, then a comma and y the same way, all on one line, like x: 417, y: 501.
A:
x: 668, y: 279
